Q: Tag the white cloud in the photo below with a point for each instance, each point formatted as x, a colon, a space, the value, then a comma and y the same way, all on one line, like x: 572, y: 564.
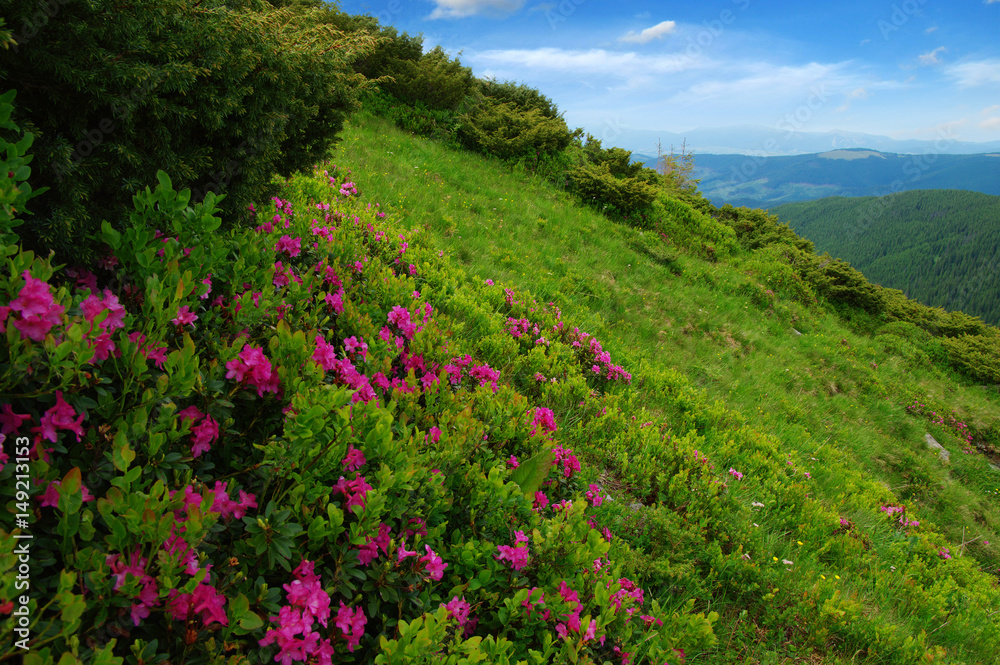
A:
x: 463, y: 8
x: 767, y: 80
x: 990, y: 123
x: 544, y: 7
x: 930, y: 29
x: 969, y: 74
x: 649, y: 34
x: 932, y: 57
x: 592, y: 61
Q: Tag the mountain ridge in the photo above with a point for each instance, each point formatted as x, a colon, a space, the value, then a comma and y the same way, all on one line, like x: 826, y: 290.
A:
x: 776, y: 142
x: 763, y: 182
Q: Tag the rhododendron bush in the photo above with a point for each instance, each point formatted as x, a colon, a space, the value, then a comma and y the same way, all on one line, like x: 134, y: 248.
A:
x: 267, y: 446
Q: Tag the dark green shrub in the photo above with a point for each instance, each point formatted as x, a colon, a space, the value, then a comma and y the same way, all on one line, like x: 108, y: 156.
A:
x: 597, y: 185
x: 222, y: 95
x: 508, y: 131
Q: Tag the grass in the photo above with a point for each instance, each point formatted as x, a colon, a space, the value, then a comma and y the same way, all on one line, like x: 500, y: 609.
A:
x: 835, y: 398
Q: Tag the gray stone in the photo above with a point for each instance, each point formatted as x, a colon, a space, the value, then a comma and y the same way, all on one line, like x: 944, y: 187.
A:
x: 934, y: 445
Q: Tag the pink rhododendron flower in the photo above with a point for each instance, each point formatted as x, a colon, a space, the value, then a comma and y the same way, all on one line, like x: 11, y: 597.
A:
x: 60, y: 416
x: 254, y: 368
x: 433, y: 564
x: 517, y: 556
x: 513, y: 463
x: 354, y: 459
x: 148, y: 596
x: 92, y: 306
x: 290, y: 246
x: 37, y: 308
x: 543, y: 418
x: 568, y: 460
x: 594, y: 495
x: 325, y: 355
x: 735, y: 474
x: 10, y: 421
x: 203, y: 435
x: 184, y: 316
x: 204, y: 602
x: 352, y: 624
x: 403, y: 552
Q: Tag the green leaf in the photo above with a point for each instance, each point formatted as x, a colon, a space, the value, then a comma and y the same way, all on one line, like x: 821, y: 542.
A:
x: 250, y: 621
x: 532, y: 472
x: 111, y: 236
x: 123, y: 455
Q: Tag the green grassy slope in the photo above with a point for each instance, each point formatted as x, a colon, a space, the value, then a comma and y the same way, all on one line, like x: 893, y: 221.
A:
x: 727, y: 354
x: 941, y: 247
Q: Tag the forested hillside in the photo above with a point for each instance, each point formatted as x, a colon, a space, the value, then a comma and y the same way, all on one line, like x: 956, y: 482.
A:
x: 330, y: 352
x: 940, y: 247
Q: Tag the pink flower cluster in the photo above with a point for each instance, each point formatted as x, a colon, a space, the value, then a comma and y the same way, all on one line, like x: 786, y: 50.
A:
x: 735, y: 474
x: 628, y: 590
x: 325, y: 355
x: 567, y: 459
x: 545, y: 419
x: 92, y: 307
x: 59, y: 417
x: 891, y: 510
x: 369, y: 551
x: 517, y: 555
x: 572, y: 622
x: 148, y: 597
x: 355, y: 490
x: 37, y: 310
x: 222, y: 504
x: 184, y: 316
x: 434, y: 565
x: 253, y: 368
x: 459, y: 610
x: 203, y: 433
x: 400, y: 317
x: 463, y: 365
x: 205, y: 601
x: 594, y: 495
x: 288, y: 245
x: 591, y: 353
x: 309, y: 604
x: 150, y: 350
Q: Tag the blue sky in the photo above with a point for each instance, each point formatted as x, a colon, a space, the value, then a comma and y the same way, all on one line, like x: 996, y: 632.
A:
x: 925, y: 69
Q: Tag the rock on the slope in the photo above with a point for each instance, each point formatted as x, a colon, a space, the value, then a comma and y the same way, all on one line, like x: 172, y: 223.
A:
x: 933, y: 444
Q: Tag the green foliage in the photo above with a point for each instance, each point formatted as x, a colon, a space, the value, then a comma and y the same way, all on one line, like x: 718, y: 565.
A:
x: 220, y: 95
x: 16, y: 191
x: 600, y: 187
x: 509, y: 131
x: 521, y: 96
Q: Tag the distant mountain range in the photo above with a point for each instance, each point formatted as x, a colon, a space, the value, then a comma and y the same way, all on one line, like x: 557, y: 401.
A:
x: 764, y: 182
x: 771, y: 142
